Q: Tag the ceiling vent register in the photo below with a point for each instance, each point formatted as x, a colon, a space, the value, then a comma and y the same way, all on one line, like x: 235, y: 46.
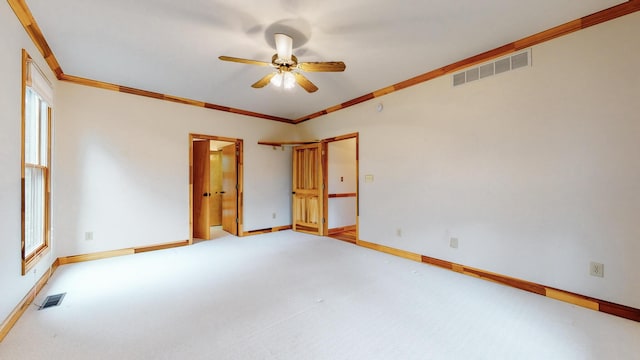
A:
x: 519, y: 60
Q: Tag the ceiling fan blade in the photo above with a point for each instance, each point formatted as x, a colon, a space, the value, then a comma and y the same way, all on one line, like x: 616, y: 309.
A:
x: 244, y: 61
x: 264, y: 81
x: 305, y: 83
x: 327, y: 66
x: 284, y: 47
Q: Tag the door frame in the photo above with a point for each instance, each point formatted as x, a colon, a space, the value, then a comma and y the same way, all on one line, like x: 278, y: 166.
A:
x: 325, y: 174
x: 240, y: 170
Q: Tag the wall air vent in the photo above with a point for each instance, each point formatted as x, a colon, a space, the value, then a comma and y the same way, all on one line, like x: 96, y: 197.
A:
x: 511, y: 62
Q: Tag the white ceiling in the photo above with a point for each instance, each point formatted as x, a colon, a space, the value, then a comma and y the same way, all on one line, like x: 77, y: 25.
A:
x: 172, y: 47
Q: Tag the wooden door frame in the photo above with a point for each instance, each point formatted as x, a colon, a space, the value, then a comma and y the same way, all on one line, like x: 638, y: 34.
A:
x: 325, y: 171
x: 240, y: 170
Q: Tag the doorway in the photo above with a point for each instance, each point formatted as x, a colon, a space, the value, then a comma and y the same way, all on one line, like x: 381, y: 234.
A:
x: 215, y: 186
x: 342, y: 189
x: 325, y: 188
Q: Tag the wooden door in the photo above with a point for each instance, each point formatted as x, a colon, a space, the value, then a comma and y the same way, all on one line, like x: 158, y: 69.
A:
x: 230, y: 189
x: 308, y: 189
x: 201, y: 189
x: 216, y: 188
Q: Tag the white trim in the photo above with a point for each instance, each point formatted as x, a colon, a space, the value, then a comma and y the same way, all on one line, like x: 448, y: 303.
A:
x: 39, y: 82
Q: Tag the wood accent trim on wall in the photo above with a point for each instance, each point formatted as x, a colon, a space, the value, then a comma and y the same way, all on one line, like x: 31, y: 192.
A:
x: 17, y: 312
x: 22, y: 306
x: 341, y: 229
x: 529, y: 41
x: 623, y: 311
x: 119, y: 252
x: 129, y: 90
x: 23, y: 13
x: 267, y: 230
x: 344, y: 195
x: 389, y: 250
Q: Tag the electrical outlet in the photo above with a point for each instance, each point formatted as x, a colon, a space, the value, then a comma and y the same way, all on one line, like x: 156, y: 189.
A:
x: 398, y: 232
x: 596, y: 269
x: 453, y: 242
x: 88, y: 235
x: 273, y: 216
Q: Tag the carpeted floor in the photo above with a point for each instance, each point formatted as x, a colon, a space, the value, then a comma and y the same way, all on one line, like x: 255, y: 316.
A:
x: 293, y: 296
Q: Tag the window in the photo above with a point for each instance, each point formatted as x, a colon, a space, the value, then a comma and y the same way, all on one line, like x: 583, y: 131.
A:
x: 36, y: 159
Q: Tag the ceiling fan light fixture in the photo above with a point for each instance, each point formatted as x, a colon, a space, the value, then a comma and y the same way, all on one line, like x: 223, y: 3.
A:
x: 289, y: 81
x: 284, y: 47
x: 287, y: 68
x: 277, y: 80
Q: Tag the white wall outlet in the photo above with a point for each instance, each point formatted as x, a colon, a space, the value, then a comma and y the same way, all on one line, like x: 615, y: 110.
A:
x: 88, y: 236
x: 596, y: 269
x: 368, y: 178
x: 273, y: 216
x: 453, y: 242
x: 398, y: 232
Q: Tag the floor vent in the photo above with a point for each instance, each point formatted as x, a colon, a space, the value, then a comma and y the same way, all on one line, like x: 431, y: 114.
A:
x: 52, y: 300
x: 512, y: 62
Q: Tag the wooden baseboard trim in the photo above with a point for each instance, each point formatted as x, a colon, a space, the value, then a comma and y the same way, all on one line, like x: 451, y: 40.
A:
x: 120, y: 252
x: 94, y: 256
x: 390, y: 250
x: 267, y: 230
x: 161, y: 246
x: 13, y: 317
x: 341, y: 229
x: 17, y: 312
x: 623, y: 311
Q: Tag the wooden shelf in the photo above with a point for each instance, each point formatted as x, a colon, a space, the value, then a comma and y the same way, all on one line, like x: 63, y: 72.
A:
x: 287, y: 143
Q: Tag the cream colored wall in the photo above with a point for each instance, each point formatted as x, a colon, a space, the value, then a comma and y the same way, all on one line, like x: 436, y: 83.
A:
x: 14, y: 286
x: 123, y: 169
x: 535, y: 171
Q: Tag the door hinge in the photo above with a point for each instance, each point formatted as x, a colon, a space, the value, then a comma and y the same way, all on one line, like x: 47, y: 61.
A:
x: 237, y: 221
x: 324, y: 220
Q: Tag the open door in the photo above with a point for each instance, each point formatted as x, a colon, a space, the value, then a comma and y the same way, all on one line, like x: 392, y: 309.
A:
x: 308, y: 189
x: 230, y: 189
x: 216, y: 188
x: 201, y: 189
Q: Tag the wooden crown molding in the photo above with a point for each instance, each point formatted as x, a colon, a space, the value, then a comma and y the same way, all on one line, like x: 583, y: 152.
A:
x: 611, y: 13
x: 25, y: 17
x: 129, y: 90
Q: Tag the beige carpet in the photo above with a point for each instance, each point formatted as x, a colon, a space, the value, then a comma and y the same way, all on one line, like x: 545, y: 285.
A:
x: 293, y: 296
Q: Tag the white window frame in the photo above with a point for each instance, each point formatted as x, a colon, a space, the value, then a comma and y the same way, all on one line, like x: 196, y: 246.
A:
x: 37, y: 92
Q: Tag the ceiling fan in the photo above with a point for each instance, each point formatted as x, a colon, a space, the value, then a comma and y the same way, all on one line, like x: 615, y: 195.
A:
x: 287, y: 68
